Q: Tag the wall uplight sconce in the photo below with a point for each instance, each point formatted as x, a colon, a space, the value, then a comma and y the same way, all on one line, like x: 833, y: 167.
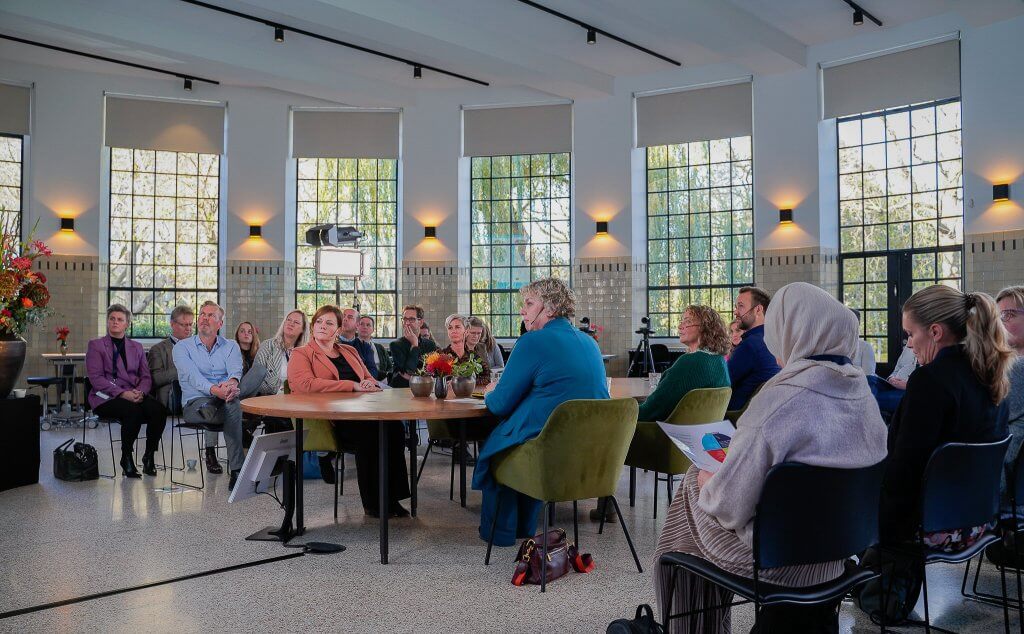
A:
x: 1000, y: 192
x: 602, y: 227
x: 430, y: 233
x: 255, y: 232
x: 785, y: 216
x: 67, y: 225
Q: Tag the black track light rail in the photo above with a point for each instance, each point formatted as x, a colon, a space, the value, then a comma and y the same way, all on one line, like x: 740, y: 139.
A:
x: 52, y: 47
x: 324, y: 38
x: 857, y: 7
x: 591, y: 27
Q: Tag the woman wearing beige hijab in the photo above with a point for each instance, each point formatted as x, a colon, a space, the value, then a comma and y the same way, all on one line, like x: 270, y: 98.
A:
x: 813, y: 336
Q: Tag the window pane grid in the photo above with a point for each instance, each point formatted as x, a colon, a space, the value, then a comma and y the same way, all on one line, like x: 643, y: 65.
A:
x: 900, y: 189
x: 164, y: 234
x: 362, y: 193
x: 520, y: 231
x: 11, y: 164
x: 700, y: 230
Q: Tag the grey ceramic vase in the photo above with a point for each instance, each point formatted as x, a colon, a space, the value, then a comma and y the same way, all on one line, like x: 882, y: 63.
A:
x: 12, y: 360
x: 463, y: 386
x: 421, y: 386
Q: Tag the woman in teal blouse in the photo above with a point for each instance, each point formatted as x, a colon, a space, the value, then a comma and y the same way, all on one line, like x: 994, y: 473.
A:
x: 552, y: 363
x: 703, y: 331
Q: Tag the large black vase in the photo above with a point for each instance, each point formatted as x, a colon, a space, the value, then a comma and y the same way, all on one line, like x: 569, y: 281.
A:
x: 12, y: 360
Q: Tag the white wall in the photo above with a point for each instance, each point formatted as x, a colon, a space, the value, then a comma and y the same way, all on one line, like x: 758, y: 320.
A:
x: 790, y: 169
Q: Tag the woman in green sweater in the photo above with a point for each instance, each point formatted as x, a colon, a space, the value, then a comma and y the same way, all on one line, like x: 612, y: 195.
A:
x: 703, y: 331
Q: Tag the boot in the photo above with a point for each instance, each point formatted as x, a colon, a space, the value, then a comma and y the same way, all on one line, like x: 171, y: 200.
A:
x: 128, y: 465
x: 212, y: 465
x: 327, y: 468
x: 148, y: 464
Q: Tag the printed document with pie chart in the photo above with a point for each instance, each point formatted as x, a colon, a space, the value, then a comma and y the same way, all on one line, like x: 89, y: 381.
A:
x: 706, y: 445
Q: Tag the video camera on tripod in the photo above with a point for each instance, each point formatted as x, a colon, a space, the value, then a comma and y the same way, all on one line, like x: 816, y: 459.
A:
x: 642, y: 361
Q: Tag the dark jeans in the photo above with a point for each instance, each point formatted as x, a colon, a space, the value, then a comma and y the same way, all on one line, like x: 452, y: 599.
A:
x: 361, y: 438
x: 149, y: 412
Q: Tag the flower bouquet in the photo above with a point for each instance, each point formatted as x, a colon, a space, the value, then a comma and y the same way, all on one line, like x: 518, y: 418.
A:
x: 439, y: 366
x: 62, y: 338
x: 23, y: 301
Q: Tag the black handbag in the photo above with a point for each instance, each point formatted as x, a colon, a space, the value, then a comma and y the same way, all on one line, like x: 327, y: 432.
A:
x: 643, y: 623
x: 77, y: 464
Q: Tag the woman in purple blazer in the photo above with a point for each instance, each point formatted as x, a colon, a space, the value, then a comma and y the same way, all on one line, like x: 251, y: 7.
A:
x: 119, y: 374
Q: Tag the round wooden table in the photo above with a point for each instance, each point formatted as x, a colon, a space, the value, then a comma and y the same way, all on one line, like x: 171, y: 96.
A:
x: 396, y: 405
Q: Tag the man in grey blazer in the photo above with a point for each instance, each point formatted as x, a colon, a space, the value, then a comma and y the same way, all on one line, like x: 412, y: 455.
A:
x: 161, y: 367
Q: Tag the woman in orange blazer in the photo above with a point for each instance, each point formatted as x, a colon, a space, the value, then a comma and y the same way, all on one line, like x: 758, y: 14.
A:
x: 324, y: 365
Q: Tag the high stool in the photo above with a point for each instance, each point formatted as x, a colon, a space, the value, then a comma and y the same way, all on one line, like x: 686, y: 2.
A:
x: 45, y: 382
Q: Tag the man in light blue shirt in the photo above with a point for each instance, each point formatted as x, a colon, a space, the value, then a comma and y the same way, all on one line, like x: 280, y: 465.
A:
x: 210, y: 373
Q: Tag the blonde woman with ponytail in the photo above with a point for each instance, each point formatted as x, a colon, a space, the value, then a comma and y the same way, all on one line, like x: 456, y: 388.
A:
x: 956, y: 395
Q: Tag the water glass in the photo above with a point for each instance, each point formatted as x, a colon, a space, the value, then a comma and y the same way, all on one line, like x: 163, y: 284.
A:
x: 609, y: 379
x: 654, y: 378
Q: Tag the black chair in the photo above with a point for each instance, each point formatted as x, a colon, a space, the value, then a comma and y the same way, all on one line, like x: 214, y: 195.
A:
x: 1011, y: 529
x: 960, y: 489
x: 87, y: 409
x: 842, y: 507
x: 198, y: 430
x: 662, y: 357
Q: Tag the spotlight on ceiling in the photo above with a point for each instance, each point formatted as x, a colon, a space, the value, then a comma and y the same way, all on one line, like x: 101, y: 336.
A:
x: 858, y: 17
x: 417, y: 72
x: 278, y: 34
x: 188, y: 84
x: 591, y: 36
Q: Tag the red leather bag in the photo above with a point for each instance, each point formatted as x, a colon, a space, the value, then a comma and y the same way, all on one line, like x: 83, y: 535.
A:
x: 560, y: 556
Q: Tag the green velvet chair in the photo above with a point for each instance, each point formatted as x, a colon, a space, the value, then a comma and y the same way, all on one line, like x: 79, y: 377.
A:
x: 652, y: 450
x: 320, y: 437
x: 577, y: 456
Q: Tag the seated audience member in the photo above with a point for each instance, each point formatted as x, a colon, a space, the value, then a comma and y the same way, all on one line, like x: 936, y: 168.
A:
x: 425, y: 332
x: 1011, y: 311
x: 274, y: 355
x: 735, y: 334
x: 119, y: 374
x: 480, y: 339
x: 865, y: 356
x: 712, y: 515
x: 954, y: 396
x: 750, y: 363
x: 456, y: 326
x: 553, y: 363
x: 381, y: 358
x: 408, y: 350
x: 212, y: 382
x: 889, y: 392
x: 702, y: 331
x: 348, y: 334
x: 248, y: 340
x: 324, y: 365
x: 161, y: 365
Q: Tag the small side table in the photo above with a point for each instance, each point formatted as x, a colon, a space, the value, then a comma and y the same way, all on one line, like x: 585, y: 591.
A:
x: 19, y: 427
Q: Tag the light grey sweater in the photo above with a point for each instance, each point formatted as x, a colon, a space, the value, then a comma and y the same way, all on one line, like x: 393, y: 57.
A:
x: 823, y: 416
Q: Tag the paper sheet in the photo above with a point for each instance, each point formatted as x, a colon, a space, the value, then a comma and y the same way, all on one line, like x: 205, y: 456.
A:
x: 705, y: 445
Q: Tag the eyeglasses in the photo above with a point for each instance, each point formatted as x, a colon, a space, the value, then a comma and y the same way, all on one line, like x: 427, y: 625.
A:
x: 409, y: 320
x: 184, y: 324
x: 1010, y: 313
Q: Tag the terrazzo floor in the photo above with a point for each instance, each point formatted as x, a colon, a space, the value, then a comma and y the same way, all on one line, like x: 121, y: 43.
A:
x: 61, y: 540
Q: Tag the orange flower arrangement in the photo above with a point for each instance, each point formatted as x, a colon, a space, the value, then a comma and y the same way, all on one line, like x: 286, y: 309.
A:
x: 437, y: 364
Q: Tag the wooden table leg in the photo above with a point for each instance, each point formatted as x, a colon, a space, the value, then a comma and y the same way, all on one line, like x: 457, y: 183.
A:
x: 382, y: 500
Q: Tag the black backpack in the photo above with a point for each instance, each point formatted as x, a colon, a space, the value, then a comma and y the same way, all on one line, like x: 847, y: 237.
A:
x: 77, y: 464
x: 642, y: 623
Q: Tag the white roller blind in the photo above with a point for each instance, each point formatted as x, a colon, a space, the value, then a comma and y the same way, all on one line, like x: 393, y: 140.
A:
x: 14, y: 109
x: 345, y: 134
x: 926, y: 73
x: 517, y: 130
x: 172, y: 126
x: 716, y: 112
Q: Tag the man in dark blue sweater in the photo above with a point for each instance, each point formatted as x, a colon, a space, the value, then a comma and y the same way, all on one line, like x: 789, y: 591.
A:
x: 750, y: 363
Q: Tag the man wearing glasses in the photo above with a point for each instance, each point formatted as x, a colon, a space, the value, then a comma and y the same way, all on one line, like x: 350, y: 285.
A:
x: 408, y: 350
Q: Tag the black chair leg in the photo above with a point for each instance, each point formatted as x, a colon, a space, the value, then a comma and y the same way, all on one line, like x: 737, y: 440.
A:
x: 451, y: 481
x: 1006, y: 606
x: 625, y: 531
x: 632, y: 487
x: 576, y: 525
x: 655, y: 495
x: 666, y: 610
x: 337, y: 476
x: 543, y: 567
x: 426, y: 454
x: 340, y: 464
x: 551, y: 512
x: 668, y: 487
x: 494, y: 525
